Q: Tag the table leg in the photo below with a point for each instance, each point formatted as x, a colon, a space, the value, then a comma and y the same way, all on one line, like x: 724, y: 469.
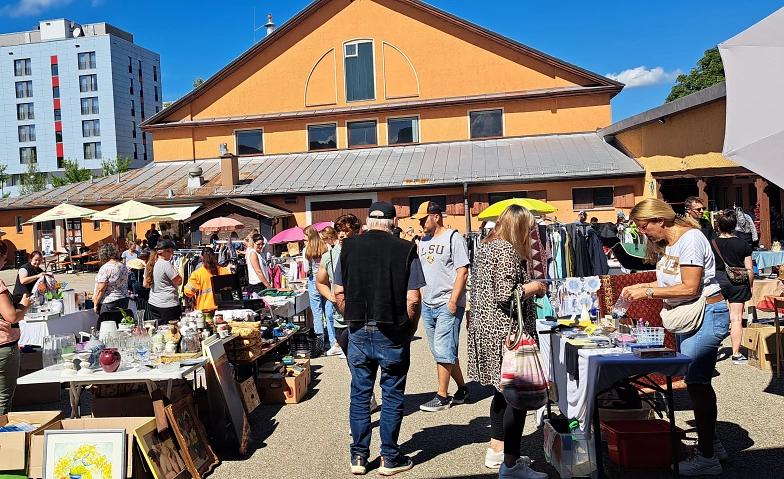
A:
x: 597, y: 437
x: 74, y: 394
x: 673, y: 433
x: 169, y: 388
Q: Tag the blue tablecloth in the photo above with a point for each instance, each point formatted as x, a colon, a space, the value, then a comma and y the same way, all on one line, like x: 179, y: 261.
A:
x: 766, y: 259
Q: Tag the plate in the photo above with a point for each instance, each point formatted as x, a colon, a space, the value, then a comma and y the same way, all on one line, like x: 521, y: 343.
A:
x: 191, y: 362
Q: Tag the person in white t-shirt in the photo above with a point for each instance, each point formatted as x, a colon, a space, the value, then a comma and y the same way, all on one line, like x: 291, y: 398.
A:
x: 685, y: 270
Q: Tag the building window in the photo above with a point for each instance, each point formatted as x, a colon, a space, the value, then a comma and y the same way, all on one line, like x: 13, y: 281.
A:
x: 144, y: 136
x: 592, y: 198
x: 92, y: 151
x: 27, y: 155
x: 130, y: 65
x: 156, y: 93
x: 157, y: 109
x: 55, y: 92
x: 58, y: 136
x: 154, y: 73
x: 145, y: 153
x: 133, y: 108
x: 249, y: 142
x: 24, y: 111
x: 403, y: 130
x: 360, y: 77
x: 140, y: 69
x: 486, y: 124
x: 87, y: 61
x: 18, y: 224
x: 96, y: 225
x: 133, y: 129
x: 142, y: 110
x: 46, y: 227
x: 74, y: 228
x: 23, y: 67
x: 141, y: 90
x: 90, y: 106
x: 58, y: 115
x: 131, y: 86
x: 55, y: 70
x: 24, y: 89
x: 91, y: 128
x: 26, y: 133
x: 323, y: 137
x: 135, y: 152
x: 88, y: 83
x: 416, y: 201
x: 505, y: 195
x: 361, y: 133
x: 60, y: 162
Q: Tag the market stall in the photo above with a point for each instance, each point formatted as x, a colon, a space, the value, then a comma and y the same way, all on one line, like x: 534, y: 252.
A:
x: 767, y: 259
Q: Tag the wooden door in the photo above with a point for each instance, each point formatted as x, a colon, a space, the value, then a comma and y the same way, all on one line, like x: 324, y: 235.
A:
x: 330, y: 210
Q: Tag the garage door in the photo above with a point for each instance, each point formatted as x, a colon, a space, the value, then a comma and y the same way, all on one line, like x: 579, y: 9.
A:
x: 330, y: 210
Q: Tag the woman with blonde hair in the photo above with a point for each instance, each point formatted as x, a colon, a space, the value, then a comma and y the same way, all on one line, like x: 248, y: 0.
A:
x: 685, y: 276
x: 315, y: 247
x: 498, y: 272
x: 330, y: 236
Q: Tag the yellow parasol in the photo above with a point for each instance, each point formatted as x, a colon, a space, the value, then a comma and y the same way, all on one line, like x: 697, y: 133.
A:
x: 537, y: 207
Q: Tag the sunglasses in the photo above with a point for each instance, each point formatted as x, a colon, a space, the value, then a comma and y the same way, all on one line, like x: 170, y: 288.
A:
x: 700, y: 209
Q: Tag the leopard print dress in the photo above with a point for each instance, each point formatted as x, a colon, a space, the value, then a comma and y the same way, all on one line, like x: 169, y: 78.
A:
x: 498, y: 270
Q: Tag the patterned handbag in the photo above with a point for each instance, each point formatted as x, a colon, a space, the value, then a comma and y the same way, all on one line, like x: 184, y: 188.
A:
x: 523, y: 381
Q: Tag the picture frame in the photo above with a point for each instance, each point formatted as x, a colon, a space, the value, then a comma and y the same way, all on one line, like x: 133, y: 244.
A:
x: 161, y: 451
x: 192, y: 438
x: 94, y: 453
x: 231, y: 396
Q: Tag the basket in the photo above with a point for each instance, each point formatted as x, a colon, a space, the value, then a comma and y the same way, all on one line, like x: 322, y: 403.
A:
x: 306, y: 342
x: 651, y: 336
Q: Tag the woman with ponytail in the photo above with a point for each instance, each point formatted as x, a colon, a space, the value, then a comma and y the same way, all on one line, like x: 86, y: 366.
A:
x: 163, y: 279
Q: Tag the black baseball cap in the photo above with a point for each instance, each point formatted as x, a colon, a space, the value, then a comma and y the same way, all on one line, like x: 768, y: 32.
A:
x: 381, y: 210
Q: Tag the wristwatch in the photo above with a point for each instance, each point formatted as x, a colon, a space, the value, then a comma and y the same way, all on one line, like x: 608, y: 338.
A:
x: 649, y: 293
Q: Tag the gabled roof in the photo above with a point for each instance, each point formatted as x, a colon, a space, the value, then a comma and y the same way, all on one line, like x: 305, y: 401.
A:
x: 317, y: 4
x: 528, y: 159
x: 247, y: 204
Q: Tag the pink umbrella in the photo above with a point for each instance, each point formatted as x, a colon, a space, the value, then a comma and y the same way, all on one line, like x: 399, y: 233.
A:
x: 221, y: 224
x: 322, y: 225
x: 286, y: 236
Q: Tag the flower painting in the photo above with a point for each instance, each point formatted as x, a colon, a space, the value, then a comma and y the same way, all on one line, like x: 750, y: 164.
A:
x: 82, y: 454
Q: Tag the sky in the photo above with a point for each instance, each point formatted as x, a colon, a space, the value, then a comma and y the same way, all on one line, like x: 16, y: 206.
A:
x: 643, y: 44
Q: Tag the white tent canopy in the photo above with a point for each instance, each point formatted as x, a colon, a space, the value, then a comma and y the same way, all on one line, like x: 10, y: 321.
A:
x: 754, y: 67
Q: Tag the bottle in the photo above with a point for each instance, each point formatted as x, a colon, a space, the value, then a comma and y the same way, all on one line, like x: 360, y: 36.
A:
x: 620, y: 308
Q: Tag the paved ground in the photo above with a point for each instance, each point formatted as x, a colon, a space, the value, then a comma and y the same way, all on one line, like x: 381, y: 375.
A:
x: 310, y: 439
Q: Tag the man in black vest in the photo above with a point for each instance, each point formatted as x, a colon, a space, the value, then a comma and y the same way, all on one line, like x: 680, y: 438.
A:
x: 377, y: 282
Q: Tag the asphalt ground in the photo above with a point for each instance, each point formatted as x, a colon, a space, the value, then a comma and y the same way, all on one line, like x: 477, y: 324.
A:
x: 311, y: 439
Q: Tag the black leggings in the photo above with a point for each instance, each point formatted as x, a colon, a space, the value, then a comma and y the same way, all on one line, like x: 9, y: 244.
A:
x: 506, y: 424
x: 342, y: 338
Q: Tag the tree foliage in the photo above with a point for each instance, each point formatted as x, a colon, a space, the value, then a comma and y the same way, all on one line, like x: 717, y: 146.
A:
x: 198, y: 81
x: 167, y: 104
x: 3, y: 178
x: 117, y: 165
x: 708, y: 72
x: 32, y: 179
x: 72, y: 173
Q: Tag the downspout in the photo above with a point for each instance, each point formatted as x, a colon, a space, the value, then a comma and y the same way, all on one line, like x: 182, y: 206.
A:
x: 465, y: 206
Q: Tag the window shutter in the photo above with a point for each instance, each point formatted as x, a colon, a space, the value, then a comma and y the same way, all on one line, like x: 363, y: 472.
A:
x: 478, y: 202
x: 402, y: 207
x: 450, y: 205
x: 454, y: 205
x: 540, y: 195
x: 624, y: 197
x: 459, y: 205
x: 582, y: 198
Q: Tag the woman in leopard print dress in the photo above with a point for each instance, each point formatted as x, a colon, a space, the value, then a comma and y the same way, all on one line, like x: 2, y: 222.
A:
x: 498, y: 271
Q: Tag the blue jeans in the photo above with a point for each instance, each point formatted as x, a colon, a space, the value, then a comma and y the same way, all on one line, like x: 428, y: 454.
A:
x: 333, y: 338
x: 703, y: 345
x: 368, y: 349
x: 317, y: 303
x: 443, y: 332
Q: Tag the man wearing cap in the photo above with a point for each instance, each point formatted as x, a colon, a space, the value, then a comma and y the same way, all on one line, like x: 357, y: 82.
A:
x: 443, y: 254
x: 582, y: 216
x: 377, y: 282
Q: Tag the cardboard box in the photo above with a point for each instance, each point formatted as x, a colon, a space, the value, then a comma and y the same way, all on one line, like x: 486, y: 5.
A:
x: 13, y: 444
x: 276, y: 389
x: 134, y: 469
x: 249, y: 394
x: 304, y: 364
x: 132, y: 405
x: 31, y: 361
x: 760, y: 340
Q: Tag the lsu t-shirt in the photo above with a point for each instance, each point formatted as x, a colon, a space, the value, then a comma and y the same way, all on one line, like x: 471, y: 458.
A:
x: 691, y: 249
x: 440, y: 257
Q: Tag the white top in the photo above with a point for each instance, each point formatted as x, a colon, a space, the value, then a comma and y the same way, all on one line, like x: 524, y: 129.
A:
x: 692, y: 248
x: 253, y: 278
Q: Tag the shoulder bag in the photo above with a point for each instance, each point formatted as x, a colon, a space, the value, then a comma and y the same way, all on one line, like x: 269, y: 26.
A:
x: 736, y: 275
x: 523, y: 381
x: 685, y: 318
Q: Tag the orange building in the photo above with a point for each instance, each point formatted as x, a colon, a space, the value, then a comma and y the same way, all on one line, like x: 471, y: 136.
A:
x: 354, y: 101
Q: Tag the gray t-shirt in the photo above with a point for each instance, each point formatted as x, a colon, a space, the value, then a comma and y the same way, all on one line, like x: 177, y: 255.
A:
x: 329, y: 260
x: 163, y: 293
x: 440, y: 258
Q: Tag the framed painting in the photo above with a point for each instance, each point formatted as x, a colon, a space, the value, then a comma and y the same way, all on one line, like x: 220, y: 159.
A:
x: 192, y: 438
x: 228, y: 388
x: 161, y: 452
x: 84, y: 454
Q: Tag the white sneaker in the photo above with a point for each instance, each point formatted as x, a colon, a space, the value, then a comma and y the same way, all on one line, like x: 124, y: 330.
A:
x: 699, y: 465
x: 520, y: 471
x: 718, y: 449
x: 334, y: 351
x: 493, y: 460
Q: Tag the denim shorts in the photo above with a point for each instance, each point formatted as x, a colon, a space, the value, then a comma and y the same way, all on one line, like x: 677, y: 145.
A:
x: 443, y: 332
x: 703, y: 345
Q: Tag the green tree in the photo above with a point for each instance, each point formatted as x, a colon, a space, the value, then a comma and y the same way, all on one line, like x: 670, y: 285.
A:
x: 167, y: 104
x: 117, y: 165
x: 198, y: 81
x: 708, y: 72
x: 72, y: 173
x: 32, y: 179
x: 3, y: 178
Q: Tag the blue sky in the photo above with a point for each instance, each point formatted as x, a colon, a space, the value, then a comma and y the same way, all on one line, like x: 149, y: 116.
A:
x: 197, y: 38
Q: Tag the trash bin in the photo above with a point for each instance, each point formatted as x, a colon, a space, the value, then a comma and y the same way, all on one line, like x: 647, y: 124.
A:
x: 20, y: 258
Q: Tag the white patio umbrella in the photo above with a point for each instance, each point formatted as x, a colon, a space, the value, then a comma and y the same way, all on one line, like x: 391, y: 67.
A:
x: 130, y: 212
x: 63, y: 211
x: 754, y: 66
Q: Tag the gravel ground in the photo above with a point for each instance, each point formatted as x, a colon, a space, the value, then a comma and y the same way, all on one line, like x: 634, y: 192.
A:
x: 311, y: 439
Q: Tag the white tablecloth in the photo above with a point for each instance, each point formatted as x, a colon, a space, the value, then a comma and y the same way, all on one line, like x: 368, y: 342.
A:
x: 33, y: 332
x: 598, y: 369
x: 288, y: 307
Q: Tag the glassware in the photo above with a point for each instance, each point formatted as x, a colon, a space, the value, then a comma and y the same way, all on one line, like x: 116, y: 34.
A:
x: 190, y: 342
x: 55, y: 346
x: 621, y: 306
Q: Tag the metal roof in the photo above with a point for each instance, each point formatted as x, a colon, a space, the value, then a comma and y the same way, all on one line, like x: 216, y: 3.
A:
x: 247, y: 204
x: 504, y: 160
x: 703, y: 97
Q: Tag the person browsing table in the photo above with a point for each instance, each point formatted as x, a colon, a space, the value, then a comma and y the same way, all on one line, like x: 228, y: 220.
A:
x: 28, y: 274
x: 111, y: 285
x: 163, y: 279
x: 199, y: 286
x: 258, y: 272
x: 685, y: 275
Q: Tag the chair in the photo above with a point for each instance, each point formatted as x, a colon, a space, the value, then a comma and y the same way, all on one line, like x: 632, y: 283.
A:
x: 778, y: 303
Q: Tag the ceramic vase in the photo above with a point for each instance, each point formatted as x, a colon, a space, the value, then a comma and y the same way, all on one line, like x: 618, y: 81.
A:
x: 110, y: 360
x: 57, y: 306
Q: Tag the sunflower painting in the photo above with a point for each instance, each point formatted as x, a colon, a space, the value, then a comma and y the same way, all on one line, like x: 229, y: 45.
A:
x: 82, y: 454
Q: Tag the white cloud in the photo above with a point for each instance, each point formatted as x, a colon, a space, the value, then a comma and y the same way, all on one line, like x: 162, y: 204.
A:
x: 641, y: 76
x: 31, y: 7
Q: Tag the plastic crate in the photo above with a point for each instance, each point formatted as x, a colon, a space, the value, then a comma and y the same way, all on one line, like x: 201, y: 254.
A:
x: 571, y: 454
x: 653, y: 336
x: 641, y: 444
